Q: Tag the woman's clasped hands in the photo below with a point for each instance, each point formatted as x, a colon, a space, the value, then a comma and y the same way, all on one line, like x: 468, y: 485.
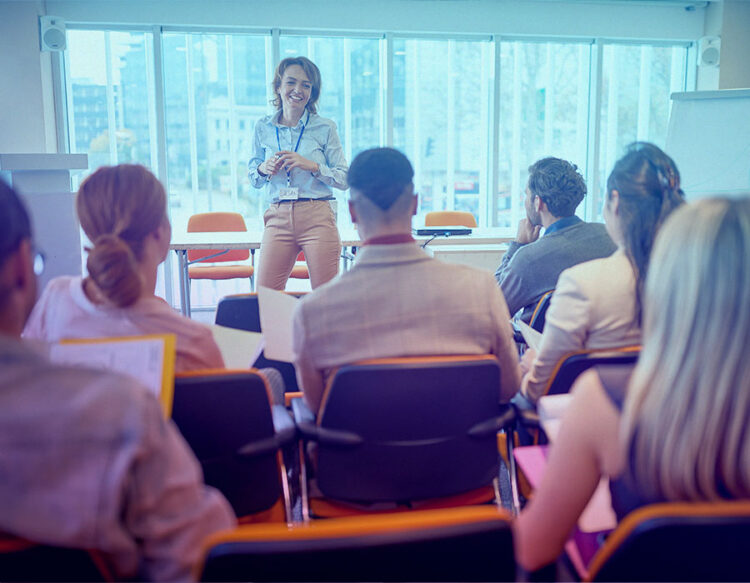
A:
x: 286, y: 160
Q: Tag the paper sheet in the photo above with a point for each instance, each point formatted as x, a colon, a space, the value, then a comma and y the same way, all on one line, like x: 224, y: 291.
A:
x: 148, y: 359
x: 531, y: 336
x: 239, y: 348
x: 551, y: 409
x: 276, y: 310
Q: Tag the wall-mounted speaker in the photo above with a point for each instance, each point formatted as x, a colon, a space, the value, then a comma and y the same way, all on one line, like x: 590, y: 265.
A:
x: 709, y: 51
x: 51, y: 33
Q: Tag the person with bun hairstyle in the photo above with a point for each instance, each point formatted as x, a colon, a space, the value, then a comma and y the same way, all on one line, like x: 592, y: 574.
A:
x: 87, y: 458
x: 676, y: 431
x: 597, y: 304
x: 298, y: 159
x: 123, y: 211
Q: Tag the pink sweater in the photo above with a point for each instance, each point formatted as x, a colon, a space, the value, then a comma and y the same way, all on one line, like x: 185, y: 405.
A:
x: 64, y: 311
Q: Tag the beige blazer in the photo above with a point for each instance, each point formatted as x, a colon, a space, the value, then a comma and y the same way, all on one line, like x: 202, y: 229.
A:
x: 593, y: 307
x: 398, y: 301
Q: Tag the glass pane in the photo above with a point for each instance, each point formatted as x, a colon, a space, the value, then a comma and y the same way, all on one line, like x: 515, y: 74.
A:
x: 215, y: 91
x: 441, y: 97
x: 544, y: 103
x: 350, y: 93
x: 111, y: 97
x: 636, y: 84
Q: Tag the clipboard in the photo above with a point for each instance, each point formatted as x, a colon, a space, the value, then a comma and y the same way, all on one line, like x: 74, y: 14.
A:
x: 149, y: 359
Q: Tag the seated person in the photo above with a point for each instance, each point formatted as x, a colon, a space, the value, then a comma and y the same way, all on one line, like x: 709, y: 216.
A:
x: 87, y: 457
x: 597, y: 304
x: 681, y: 434
x: 397, y: 300
x: 531, y: 265
x: 123, y: 211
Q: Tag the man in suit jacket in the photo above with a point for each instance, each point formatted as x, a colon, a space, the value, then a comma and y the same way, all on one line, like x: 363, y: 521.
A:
x: 397, y: 300
x: 532, y: 264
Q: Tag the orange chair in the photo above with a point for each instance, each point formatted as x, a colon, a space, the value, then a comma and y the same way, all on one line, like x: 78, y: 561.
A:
x: 218, y: 222
x: 406, y: 433
x: 450, y: 219
x: 300, y: 270
x: 458, y: 544
x: 23, y: 560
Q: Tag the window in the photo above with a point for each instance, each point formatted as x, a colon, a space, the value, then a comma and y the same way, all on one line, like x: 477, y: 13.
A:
x: 110, y: 97
x: 217, y: 84
x: 350, y: 70
x: 441, y: 97
x: 544, y: 109
x: 637, y: 81
x: 470, y: 125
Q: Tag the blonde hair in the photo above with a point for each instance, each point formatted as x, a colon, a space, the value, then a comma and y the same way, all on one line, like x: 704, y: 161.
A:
x: 686, y: 421
x: 119, y: 206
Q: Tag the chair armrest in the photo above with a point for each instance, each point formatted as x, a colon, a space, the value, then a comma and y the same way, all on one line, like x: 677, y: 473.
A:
x: 305, y: 420
x: 490, y: 427
x: 283, y: 424
x: 284, y: 432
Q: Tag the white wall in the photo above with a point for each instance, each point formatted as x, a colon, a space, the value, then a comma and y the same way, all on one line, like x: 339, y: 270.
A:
x: 631, y: 19
x: 735, y: 45
x: 26, y: 105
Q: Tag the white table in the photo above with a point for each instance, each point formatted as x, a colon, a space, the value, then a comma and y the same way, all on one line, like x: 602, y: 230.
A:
x: 184, y: 242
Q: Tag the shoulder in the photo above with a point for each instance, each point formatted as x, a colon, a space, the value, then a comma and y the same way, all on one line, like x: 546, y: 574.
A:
x: 318, y: 121
x: 265, y: 122
x: 61, y: 285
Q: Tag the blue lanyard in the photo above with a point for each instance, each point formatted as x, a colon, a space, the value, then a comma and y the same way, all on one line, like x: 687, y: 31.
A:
x: 278, y: 143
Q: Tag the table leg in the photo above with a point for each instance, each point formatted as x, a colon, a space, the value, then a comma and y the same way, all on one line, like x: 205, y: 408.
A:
x: 184, y: 282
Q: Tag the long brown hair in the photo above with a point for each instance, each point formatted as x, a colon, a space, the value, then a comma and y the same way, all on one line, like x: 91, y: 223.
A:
x: 648, y: 184
x: 119, y: 206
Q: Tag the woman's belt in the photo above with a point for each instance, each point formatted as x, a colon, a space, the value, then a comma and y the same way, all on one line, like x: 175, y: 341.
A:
x: 302, y: 199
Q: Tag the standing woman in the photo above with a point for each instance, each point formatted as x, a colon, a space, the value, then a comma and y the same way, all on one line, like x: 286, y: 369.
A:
x: 298, y: 156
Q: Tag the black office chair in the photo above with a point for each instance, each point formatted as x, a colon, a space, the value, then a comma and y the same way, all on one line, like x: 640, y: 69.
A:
x: 459, y: 544
x: 678, y: 542
x: 406, y: 431
x: 23, y: 560
x: 540, y: 312
x: 227, y: 419
x: 241, y: 312
x: 570, y: 366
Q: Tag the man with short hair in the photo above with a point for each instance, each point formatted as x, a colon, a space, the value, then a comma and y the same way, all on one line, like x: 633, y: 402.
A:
x: 531, y: 265
x: 397, y: 300
x: 86, y: 457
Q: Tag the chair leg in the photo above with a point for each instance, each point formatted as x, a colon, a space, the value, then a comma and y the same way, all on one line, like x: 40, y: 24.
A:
x: 285, y: 491
x: 304, y: 495
x: 512, y: 470
x: 187, y: 297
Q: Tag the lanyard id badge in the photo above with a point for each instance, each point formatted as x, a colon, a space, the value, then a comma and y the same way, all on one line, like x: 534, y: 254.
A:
x: 291, y: 192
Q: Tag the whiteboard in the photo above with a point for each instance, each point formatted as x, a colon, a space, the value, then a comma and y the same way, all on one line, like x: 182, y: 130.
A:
x: 709, y: 139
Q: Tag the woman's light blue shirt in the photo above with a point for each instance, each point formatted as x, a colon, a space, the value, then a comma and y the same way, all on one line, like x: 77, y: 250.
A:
x: 320, y: 143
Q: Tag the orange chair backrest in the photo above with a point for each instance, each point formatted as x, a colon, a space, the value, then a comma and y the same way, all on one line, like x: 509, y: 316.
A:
x: 450, y: 218
x: 217, y: 222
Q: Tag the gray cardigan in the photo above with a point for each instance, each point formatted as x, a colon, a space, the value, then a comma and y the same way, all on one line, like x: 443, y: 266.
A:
x: 528, y: 271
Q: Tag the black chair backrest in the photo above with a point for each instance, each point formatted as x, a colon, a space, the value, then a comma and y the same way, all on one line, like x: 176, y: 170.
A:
x: 678, y: 542
x: 479, y: 551
x: 241, y: 312
x: 411, y: 424
x: 220, y: 413
x: 575, y: 364
x: 25, y: 561
x: 540, y: 312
